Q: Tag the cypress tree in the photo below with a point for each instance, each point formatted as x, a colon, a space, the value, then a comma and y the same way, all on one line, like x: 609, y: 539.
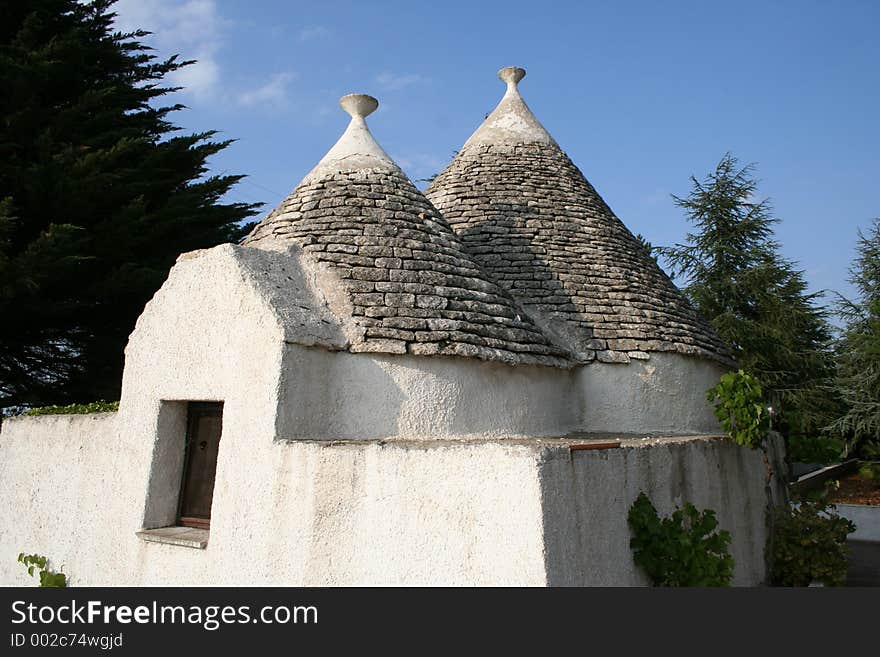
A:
x: 858, y: 351
x: 756, y: 299
x: 99, y: 193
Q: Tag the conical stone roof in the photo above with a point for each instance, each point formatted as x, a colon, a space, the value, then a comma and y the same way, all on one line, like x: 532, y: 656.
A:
x: 532, y: 220
x: 410, y: 285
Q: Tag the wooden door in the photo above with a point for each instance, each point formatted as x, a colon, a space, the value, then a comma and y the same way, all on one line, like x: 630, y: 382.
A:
x: 204, y: 426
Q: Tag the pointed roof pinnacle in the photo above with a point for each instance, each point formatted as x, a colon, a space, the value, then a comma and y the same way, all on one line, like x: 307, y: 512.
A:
x: 512, y: 75
x: 356, y: 148
x: 512, y: 122
x: 358, y: 105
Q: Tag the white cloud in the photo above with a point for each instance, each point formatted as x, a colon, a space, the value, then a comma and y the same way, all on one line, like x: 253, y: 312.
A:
x: 273, y: 93
x: 393, y: 81
x: 313, y: 32
x: 192, y: 28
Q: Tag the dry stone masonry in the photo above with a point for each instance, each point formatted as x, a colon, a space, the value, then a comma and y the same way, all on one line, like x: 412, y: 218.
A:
x: 526, y: 263
x: 531, y: 219
x: 412, y: 285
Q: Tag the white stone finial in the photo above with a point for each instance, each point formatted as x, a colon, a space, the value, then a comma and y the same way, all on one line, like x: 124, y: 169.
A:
x: 511, y: 75
x: 356, y: 148
x: 358, y: 105
x: 511, y: 122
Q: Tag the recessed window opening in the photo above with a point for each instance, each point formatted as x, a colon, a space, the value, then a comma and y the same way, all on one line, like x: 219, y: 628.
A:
x: 204, y: 427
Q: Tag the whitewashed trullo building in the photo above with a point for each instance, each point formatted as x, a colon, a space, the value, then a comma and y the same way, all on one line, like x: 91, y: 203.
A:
x: 380, y: 386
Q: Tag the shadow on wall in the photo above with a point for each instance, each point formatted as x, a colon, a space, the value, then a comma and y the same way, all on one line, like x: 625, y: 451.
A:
x: 586, y: 497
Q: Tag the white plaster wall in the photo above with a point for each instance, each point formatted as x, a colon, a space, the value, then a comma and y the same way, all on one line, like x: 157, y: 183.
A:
x: 665, y: 394
x: 395, y: 513
x: 587, y: 496
x: 301, y: 513
x: 435, y: 513
x: 58, y: 478
x: 343, y: 396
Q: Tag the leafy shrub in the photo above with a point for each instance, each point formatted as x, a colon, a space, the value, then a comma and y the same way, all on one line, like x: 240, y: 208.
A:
x: 739, y: 407
x: 870, y: 451
x: 48, y: 577
x: 870, y: 472
x: 810, y: 543
x: 815, y: 449
x: 73, y: 409
x: 686, y: 549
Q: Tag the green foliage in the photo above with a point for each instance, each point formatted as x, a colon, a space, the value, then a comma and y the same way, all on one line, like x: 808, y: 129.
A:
x: 99, y: 194
x: 816, y: 449
x: 858, y: 350
x: 72, y: 409
x: 649, y: 249
x: 871, y: 450
x: 871, y: 469
x: 736, y: 278
x: 740, y: 408
x: 810, y: 543
x: 48, y: 577
x: 870, y: 472
x: 686, y: 549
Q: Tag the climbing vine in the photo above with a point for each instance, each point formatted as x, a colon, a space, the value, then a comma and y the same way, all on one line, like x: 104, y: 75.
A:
x: 739, y: 407
x: 40, y: 564
x: 686, y: 549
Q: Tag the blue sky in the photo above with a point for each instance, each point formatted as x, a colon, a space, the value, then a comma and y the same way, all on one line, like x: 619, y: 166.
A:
x: 641, y: 95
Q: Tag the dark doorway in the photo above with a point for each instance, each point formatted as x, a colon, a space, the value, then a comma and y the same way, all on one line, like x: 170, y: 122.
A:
x: 204, y: 426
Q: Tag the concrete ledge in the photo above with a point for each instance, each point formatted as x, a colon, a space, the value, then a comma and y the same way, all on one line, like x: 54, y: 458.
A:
x: 815, y: 479
x: 867, y: 520
x: 182, y: 536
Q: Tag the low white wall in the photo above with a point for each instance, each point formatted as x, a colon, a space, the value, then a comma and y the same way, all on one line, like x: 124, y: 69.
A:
x: 62, y: 478
x: 303, y: 513
x: 665, y: 394
x: 405, y: 513
x: 587, y: 496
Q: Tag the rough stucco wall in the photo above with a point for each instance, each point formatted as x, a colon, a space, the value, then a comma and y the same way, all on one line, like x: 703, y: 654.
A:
x: 398, y: 513
x: 587, y: 496
x: 666, y: 394
x: 381, y: 514
x: 328, y: 396
x: 300, y: 513
x: 283, y: 513
x: 342, y: 396
x: 58, y: 474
